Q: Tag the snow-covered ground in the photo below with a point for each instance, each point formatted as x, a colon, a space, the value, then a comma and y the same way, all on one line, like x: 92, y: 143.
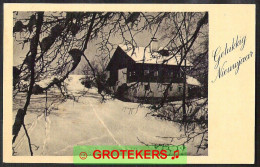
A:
x: 90, y: 122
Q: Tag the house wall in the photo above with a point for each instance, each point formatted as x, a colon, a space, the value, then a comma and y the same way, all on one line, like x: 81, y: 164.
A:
x: 157, y: 84
x: 120, y: 60
x: 156, y: 91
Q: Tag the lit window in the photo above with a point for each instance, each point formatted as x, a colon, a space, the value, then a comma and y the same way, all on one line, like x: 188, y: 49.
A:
x: 146, y: 72
x: 131, y: 73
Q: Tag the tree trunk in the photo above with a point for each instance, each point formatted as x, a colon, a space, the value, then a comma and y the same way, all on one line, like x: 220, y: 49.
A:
x: 184, y: 92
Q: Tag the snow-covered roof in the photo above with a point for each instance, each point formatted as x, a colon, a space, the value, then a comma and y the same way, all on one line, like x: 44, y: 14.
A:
x: 142, y: 55
x: 192, y: 81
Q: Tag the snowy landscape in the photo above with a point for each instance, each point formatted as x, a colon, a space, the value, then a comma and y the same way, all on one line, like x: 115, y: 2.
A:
x: 90, y: 122
x: 109, y: 78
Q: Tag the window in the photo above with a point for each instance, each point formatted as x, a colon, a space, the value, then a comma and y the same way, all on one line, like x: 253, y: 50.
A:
x: 131, y: 73
x: 179, y: 88
x: 170, y: 88
x: 146, y: 72
x: 147, y: 87
x: 156, y: 73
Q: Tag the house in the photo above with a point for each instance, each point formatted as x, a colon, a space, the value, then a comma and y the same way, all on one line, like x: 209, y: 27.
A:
x: 141, y: 73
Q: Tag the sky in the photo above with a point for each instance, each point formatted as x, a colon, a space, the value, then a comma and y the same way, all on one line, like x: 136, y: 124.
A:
x: 20, y: 51
x: 142, y: 39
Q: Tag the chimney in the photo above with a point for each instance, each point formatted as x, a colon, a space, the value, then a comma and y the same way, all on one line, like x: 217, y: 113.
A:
x: 154, y: 45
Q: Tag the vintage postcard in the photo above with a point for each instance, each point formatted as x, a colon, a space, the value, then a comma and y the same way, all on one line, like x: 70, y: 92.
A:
x: 129, y: 75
